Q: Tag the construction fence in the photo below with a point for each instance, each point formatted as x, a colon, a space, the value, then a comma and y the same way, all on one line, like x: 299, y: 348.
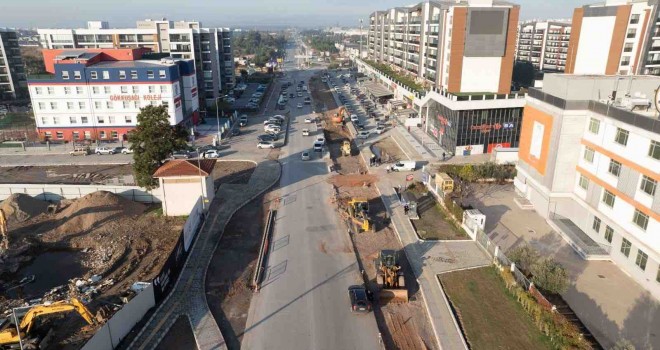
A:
x: 55, y: 192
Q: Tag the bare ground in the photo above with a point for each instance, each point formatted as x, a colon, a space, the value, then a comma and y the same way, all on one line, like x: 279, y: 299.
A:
x: 391, y: 152
x: 67, y: 174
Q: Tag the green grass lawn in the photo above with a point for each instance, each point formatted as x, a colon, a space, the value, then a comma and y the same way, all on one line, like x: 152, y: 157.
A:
x: 16, y: 120
x: 490, y: 317
x: 434, y: 224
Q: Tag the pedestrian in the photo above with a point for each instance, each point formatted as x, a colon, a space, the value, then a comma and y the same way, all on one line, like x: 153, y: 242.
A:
x: 406, y: 208
x: 443, y: 156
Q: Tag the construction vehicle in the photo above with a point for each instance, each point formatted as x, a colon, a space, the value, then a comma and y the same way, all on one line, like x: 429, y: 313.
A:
x: 358, y: 211
x: 4, y: 233
x: 390, y: 278
x: 346, y: 148
x: 338, y: 118
x: 9, y: 336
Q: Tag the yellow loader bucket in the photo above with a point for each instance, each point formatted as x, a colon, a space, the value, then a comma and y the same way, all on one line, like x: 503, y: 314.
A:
x: 393, y: 295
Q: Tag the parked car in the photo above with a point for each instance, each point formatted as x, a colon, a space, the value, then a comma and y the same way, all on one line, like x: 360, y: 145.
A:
x: 363, y: 134
x: 272, y: 128
x: 300, y: 105
x: 320, y: 139
x: 359, y: 299
x: 104, y: 150
x: 243, y: 120
x: 380, y: 129
x: 404, y: 165
x: 309, y: 120
x: 181, y: 155
x: 266, y: 144
x: 80, y: 151
x: 211, y: 154
x: 267, y: 137
x: 292, y: 95
x: 305, y: 155
x: 354, y: 118
x: 318, y: 147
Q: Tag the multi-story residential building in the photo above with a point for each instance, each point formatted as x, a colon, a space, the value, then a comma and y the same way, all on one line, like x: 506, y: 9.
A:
x: 544, y: 44
x: 210, y: 48
x: 96, y: 94
x: 459, y: 46
x: 615, y: 37
x: 590, y: 164
x: 12, y: 71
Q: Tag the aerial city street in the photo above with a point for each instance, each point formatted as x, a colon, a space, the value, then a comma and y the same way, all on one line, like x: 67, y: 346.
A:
x: 474, y: 174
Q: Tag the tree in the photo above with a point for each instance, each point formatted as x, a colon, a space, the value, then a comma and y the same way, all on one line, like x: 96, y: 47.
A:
x: 152, y: 141
x: 623, y: 344
x: 550, y: 276
x: 525, y: 257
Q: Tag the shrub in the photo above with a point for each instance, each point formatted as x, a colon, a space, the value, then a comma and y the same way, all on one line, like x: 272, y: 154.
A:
x: 623, y: 344
x: 550, y: 276
x: 525, y: 257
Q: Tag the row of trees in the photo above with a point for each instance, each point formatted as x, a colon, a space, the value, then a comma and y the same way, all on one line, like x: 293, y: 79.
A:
x: 320, y: 40
x: 263, y: 46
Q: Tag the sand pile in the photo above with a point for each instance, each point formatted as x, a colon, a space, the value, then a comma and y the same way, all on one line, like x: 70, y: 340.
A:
x: 21, y: 207
x: 95, y: 209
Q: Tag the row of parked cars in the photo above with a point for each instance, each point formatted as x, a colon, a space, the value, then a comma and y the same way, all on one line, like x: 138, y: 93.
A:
x: 100, y: 150
x: 257, y: 96
x: 272, y: 129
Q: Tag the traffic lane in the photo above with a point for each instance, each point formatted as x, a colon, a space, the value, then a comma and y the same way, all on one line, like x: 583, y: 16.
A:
x: 63, y: 159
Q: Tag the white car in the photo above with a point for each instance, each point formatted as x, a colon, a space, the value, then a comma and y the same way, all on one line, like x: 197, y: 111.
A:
x: 104, y: 150
x: 309, y: 120
x: 380, y: 129
x: 211, y: 154
x: 280, y: 117
x: 300, y: 105
x: 354, y: 118
x: 363, y: 135
x: 266, y: 144
x: 305, y: 132
x: 305, y: 155
x: 320, y: 139
x: 126, y: 150
x: 257, y: 94
x: 273, y: 128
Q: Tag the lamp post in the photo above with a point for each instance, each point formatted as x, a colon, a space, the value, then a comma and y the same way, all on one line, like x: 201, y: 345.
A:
x: 360, y: 53
x: 202, y: 180
x: 217, y: 117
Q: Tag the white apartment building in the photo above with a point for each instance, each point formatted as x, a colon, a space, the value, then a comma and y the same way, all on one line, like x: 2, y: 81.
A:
x: 210, y: 48
x: 12, y: 72
x: 615, y: 37
x: 590, y: 164
x: 544, y: 44
x: 460, y: 46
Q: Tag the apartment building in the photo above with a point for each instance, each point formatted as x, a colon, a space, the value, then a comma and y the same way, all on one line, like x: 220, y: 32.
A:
x: 615, y: 37
x: 210, y: 48
x: 544, y: 44
x: 460, y: 46
x: 590, y: 164
x: 12, y: 71
x: 96, y: 94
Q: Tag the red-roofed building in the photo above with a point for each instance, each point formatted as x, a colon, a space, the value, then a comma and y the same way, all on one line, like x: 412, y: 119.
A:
x: 182, y: 183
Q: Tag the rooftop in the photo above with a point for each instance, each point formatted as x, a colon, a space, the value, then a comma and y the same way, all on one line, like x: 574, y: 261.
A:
x: 186, y: 167
x: 133, y: 64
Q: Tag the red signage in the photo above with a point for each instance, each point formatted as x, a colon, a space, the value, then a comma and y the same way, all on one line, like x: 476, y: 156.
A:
x: 152, y: 97
x: 493, y: 146
x: 486, y: 128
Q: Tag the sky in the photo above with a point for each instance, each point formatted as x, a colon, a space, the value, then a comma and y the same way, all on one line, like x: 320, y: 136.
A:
x: 228, y: 13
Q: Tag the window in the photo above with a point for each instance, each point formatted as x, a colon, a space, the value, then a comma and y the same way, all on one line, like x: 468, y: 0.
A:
x: 65, y: 75
x: 627, y: 47
x: 100, y: 119
x: 79, y: 90
x: 59, y: 135
x: 81, y: 105
x: 56, y: 120
x: 128, y: 119
x: 73, y: 120
x: 107, y: 89
x: 108, y: 104
x: 38, y: 90
x: 106, y: 74
x: 134, y: 74
x: 136, y: 104
x: 634, y: 18
x: 69, y: 105
x: 94, y: 75
x: 114, y: 135
x: 124, y: 89
x: 76, y: 75
x: 127, y: 104
x: 621, y: 136
x: 111, y: 119
x: 88, y: 135
x: 625, y: 61
x: 122, y: 74
x: 98, y: 104
x: 589, y: 154
x: 42, y: 105
x: 102, y: 134
x: 44, y: 121
x: 152, y: 89
x: 50, y: 90
x: 614, y: 168
x: 163, y: 89
x: 48, y: 135
x: 150, y: 74
x: 648, y: 185
x: 609, y: 233
x: 67, y: 90
x: 76, y: 135
x: 136, y: 89
x: 53, y: 105
x: 631, y: 33
x: 625, y: 247
x: 165, y: 104
x: 640, y: 219
x: 608, y: 198
x: 176, y: 87
x: 96, y: 90
x: 83, y: 120
x: 641, y: 259
x: 594, y: 125
x: 654, y: 150
x: 596, y: 224
x: 161, y: 74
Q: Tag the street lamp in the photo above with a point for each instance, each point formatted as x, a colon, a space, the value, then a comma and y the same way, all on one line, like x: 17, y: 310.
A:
x: 217, y: 117
x: 360, y: 53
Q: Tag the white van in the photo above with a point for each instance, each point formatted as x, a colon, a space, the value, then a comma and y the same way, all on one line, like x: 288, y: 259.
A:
x: 318, y: 146
x: 404, y: 165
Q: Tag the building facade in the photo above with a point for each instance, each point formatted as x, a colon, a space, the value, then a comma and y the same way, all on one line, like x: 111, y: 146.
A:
x: 459, y: 46
x: 590, y: 164
x: 13, y: 81
x: 210, y: 48
x: 544, y: 44
x: 615, y: 37
x: 96, y: 94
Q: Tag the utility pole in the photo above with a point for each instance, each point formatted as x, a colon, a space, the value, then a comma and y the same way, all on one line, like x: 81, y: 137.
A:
x: 360, y: 53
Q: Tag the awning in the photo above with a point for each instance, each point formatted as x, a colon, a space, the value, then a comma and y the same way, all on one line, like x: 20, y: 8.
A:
x: 378, y: 91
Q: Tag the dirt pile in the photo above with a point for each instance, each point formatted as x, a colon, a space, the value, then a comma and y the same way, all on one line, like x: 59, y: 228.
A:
x: 355, y: 180
x: 22, y: 207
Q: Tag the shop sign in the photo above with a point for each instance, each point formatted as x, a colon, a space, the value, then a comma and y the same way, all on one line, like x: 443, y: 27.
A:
x: 134, y: 97
x: 492, y: 146
x: 486, y: 128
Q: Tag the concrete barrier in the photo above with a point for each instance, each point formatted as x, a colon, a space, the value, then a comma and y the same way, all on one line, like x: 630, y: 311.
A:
x: 56, y: 192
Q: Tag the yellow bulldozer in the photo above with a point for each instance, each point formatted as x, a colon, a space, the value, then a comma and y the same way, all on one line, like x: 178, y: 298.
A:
x: 9, y: 336
x: 358, y: 211
x: 346, y: 148
x: 390, y: 278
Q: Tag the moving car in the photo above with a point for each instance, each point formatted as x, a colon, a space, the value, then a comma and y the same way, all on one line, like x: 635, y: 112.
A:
x: 305, y: 155
x: 266, y: 144
x: 300, y: 94
x: 363, y: 134
x: 181, y: 155
x: 104, y: 150
x: 320, y: 139
x: 318, y: 147
x: 404, y: 165
x: 300, y: 105
x: 309, y: 120
x: 212, y: 153
x: 359, y: 299
x: 267, y: 137
x: 305, y: 132
x: 243, y: 120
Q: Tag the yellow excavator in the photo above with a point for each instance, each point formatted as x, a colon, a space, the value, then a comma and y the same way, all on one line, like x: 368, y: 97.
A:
x: 390, y: 278
x: 358, y: 211
x: 4, y: 233
x: 9, y: 336
x: 346, y: 148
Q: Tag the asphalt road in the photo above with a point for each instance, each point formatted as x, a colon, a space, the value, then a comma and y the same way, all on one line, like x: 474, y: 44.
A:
x: 304, y: 301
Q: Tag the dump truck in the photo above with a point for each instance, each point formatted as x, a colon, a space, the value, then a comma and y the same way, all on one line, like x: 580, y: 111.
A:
x: 389, y: 277
x: 9, y: 332
x: 346, y: 148
x: 358, y: 212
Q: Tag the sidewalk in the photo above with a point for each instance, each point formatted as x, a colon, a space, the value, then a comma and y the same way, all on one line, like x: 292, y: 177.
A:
x: 59, y: 148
